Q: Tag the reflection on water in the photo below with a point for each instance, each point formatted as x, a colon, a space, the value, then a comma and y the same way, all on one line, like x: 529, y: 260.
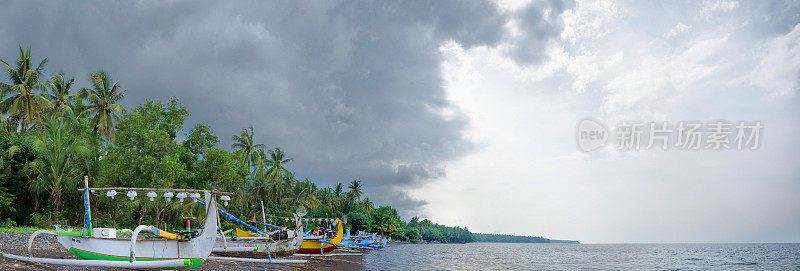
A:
x: 495, y: 256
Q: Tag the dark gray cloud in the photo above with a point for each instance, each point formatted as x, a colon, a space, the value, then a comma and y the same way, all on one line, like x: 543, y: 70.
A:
x: 352, y: 90
x: 540, y: 22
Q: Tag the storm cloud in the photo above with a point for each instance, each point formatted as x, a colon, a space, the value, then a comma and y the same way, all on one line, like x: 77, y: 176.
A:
x: 350, y: 89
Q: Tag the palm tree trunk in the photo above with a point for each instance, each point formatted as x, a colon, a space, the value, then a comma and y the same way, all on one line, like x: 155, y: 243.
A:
x: 141, y: 213
x: 57, y: 203
x: 256, y: 200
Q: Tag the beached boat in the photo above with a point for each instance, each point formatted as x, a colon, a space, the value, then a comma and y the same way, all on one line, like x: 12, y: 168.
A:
x: 169, y: 246
x: 101, y: 246
x: 363, y: 240
x: 249, y: 244
x: 313, y: 244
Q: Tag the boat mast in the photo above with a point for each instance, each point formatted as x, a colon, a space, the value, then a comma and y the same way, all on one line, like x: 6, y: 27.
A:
x: 88, y: 210
x: 263, y: 216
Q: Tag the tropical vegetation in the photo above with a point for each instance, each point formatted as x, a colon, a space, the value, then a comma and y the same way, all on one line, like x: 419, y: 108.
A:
x: 52, y: 135
x: 506, y: 238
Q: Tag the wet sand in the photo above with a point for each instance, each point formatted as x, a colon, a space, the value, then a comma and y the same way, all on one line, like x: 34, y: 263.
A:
x: 45, y: 247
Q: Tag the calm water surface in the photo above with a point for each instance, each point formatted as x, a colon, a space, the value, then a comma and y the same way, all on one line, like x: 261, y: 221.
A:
x: 496, y: 256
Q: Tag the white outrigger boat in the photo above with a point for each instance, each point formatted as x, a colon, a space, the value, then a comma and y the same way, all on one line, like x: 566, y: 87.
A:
x: 256, y: 243
x: 101, y: 247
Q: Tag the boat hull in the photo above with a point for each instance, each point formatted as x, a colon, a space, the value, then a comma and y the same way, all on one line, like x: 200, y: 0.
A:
x: 307, y: 250
x: 311, y: 246
x: 195, y: 250
x: 255, y: 249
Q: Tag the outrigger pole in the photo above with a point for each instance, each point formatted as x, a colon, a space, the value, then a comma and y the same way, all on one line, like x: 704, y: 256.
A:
x: 233, y: 219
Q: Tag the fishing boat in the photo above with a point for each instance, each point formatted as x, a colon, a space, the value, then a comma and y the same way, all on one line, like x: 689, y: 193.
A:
x: 103, y: 248
x: 255, y: 244
x: 325, y: 242
x: 260, y: 244
x: 363, y: 240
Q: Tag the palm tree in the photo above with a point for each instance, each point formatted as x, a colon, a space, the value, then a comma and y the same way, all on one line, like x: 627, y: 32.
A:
x: 6, y: 125
x: 356, y: 190
x: 327, y: 198
x: 59, y: 87
x: 245, y: 149
x: 57, y: 164
x: 275, y: 163
x: 259, y: 174
x: 338, y: 191
x: 246, y: 146
x: 103, y: 98
x: 367, y: 205
x: 23, y: 103
x: 303, y: 194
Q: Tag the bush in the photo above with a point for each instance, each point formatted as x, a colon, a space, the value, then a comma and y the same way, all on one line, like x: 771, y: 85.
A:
x: 39, y: 220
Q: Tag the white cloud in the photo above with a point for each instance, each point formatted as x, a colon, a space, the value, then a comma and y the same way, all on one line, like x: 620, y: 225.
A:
x: 656, y: 77
x: 710, y: 6
x: 778, y: 69
x: 590, y: 19
x: 680, y: 27
x: 620, y: 67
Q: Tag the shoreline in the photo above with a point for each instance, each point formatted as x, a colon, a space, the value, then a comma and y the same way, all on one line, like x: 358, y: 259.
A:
x: 46, y: 246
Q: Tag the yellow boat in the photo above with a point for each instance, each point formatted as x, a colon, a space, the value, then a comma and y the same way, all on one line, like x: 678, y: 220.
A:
x: 314, y: 245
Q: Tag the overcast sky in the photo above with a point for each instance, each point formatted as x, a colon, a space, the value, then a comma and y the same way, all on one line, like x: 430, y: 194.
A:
x: 465, y: 112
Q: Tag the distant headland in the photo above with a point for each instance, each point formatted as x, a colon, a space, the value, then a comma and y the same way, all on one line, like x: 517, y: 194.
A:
x: 506, y: 238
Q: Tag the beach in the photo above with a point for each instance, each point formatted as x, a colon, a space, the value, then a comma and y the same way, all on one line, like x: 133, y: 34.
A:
x: 46, y: 246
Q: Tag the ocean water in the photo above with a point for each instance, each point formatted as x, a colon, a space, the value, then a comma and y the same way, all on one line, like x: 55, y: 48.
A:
x: 497, y: 256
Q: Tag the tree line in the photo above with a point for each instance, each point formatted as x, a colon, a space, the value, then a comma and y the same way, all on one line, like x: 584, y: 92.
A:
x: 52, y: 133
x: 506, y: 238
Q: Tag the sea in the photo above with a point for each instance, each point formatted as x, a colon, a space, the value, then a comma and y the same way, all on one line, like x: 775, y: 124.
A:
x: 506, y: 256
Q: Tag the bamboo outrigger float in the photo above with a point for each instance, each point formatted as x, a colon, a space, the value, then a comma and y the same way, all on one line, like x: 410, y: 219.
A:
x: 165, y: 250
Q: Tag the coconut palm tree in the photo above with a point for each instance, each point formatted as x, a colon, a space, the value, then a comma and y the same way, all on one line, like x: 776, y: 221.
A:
x: 338, y: 190
x: 275, y: 162
x: 259, y: 175
x: 367, y: 205
x: 60, y: 87
x: 303, y: 194
x: 103, y: 108
x: 246, y: 146
x: 356, y: 190
x: 23, y: 103
x: 57, y: 164
x: 327, y: 198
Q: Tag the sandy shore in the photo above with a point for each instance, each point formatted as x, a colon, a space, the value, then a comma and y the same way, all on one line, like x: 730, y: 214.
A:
x: 46, y: 246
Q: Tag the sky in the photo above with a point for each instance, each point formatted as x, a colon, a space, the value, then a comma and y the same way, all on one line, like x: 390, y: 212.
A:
x: 465, y: 112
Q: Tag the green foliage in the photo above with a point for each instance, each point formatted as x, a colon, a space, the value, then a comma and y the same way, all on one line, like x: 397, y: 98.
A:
x: 412, y: 233
x: 146, y: 139
x: 441, y: 233
x: 56, y: 168
x: 50, y: 138
x: 506, y: 238
x: 103, y: 108
x: 39, y: 220
x: 5, y: 202
x: 199, y: 139
x: 15, y: 154
x: 25, y: 102
x: 386, y: 221
x: 219, y: 169
x: 359, y: 221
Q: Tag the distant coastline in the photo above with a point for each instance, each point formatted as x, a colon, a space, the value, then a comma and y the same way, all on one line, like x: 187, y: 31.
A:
x: 507, y: 238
